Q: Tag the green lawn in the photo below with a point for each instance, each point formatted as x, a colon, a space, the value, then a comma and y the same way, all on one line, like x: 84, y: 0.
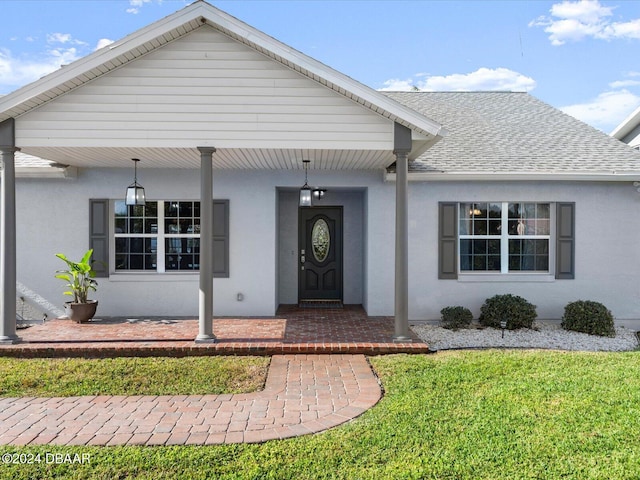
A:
x: 453, y: 415
x: 131, y: 376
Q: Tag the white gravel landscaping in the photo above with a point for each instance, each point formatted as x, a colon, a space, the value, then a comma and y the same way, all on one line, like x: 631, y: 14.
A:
x: 544, y: 335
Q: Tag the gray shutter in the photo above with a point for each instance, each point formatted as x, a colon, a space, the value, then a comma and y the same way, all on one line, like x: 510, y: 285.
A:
x: 99, y: 235
x: 565, y: 241
x: 448, y: 241
x: 221, y: 238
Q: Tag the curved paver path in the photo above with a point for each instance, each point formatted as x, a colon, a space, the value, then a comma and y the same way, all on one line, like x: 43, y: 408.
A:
x: 303, y: 394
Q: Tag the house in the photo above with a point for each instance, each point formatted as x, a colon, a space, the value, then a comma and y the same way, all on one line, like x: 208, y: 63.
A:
x: 419, y: 200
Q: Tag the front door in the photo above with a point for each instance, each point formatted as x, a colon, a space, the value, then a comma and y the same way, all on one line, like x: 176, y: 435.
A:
x: 320, y: 253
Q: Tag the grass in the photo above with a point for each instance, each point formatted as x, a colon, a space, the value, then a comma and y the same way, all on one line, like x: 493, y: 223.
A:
x: 454, y: 415
x: 131, y: 376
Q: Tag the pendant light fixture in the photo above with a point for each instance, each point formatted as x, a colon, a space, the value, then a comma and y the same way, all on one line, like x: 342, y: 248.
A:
x: 305, y: 191
x: 135, y: 191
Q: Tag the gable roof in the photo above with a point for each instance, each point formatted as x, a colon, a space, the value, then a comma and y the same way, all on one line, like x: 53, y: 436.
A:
x: 509, y: 135
x: 191, y: 18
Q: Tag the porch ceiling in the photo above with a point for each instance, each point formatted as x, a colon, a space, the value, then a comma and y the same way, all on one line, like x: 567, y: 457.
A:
x: 224, y: 158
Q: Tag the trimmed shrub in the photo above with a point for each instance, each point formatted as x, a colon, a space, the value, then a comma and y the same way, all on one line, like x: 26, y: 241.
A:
x: 515, y: 310
x: 456, y: 317
x: 588, y: 317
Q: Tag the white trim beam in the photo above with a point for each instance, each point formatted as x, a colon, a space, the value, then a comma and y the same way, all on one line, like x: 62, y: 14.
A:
x: 515, y: 176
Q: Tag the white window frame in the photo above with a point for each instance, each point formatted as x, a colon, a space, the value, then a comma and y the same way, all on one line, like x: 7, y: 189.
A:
x: 504, y: 238
x: 160, y: 236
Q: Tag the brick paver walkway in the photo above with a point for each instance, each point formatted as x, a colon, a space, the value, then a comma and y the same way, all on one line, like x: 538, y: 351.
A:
x: 303, y: 394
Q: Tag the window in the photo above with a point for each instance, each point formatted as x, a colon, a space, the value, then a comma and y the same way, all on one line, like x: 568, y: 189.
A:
x: 164, y: 236
x: 136, y: 235
x: 506, y: 237
x: 182, y: 235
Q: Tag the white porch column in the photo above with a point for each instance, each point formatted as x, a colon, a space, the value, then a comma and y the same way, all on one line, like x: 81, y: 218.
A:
x: 7, y: 235
x: 402, y: 140
x: 205, y: 334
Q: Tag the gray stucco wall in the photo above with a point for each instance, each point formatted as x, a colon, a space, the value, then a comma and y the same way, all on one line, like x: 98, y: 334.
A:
x: 607, y: 257
x: 54, y: 218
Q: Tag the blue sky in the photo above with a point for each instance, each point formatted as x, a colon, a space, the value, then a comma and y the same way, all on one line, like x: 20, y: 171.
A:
x: 579, y: 56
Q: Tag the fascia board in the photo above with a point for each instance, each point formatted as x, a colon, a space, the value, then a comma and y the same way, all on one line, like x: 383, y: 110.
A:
x: 627, y: 125
x: 519, y: 177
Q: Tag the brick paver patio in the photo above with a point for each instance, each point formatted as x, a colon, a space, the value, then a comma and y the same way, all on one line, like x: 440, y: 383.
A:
x: 303, y: 394
x: 292, y: 330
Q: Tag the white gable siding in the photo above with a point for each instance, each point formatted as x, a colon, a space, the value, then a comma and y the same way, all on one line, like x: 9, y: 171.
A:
x: 204, y: 89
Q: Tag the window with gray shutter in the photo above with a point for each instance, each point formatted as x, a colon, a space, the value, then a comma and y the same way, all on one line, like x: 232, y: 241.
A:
x: 504, y: 238
x: 448, y: 241
x: 99, y: 235
x: 565, y: 241
x: 221, y: 238
x: 164, y: 236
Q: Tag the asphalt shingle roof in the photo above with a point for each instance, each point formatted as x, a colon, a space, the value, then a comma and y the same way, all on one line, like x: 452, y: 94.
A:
x: 508, y: 132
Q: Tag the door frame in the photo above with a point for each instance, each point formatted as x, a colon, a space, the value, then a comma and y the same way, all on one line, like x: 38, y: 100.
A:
x: 339, y: 233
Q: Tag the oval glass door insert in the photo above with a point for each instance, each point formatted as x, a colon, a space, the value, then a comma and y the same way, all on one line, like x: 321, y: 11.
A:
x: 320, y: 240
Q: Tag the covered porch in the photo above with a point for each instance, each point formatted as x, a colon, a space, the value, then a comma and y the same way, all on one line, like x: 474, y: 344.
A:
x: 200, y: 91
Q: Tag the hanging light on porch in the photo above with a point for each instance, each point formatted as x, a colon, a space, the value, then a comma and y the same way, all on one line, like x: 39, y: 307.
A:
x: 305, y: 191
x: 135, y: 191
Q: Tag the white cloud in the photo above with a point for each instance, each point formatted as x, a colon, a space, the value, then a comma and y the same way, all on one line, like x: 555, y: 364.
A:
x: 136, y: 5
x: 63, y: 38
x: 585, y: 11
x: 606, y: 111
x: 61, y: 49
x: 574, y: 21
x: 624, y: 83
x: 15, y: 72
x: 103, y: 42
x: 622, y: 30
x: 63, y: 56
x: 58, y: 37
x: 397, y: 85
x: 483, y: 79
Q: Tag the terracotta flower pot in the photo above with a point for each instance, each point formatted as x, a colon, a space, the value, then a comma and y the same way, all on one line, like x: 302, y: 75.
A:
x: 81, y: 312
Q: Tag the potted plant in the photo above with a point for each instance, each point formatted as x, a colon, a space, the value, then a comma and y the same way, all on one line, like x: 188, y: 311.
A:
x: 79, y: 277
